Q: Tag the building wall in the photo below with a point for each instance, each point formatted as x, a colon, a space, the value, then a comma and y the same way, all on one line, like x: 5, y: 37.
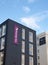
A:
x: 13, y: 50
x: 42, y: 60
x: 43, y: 55
x: 47, y: 45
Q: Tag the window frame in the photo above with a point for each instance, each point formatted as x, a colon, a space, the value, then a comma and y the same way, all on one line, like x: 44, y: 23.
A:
x: 30, y: 36
x: 30, y: 49
x: 23, y: 33
x: 2, y: 43
x: 23, y: 59
x: 23, y: 46
x: 3, y: 30
x: 31, y: 60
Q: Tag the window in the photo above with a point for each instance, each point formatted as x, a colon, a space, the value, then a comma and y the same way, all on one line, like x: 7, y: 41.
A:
x: 23, y: 60
x: 30, y: 36
x: 2, y: 54
x: 38, y: 50
x: 23, y: 33
x: 38, y: 57
x: 38, y: 63
x: 1, y: 62
x: 2, y: 43
x: 30, y: 60
x: 23, y: 46
x: 1, y: 57
x: 42, y: 41
x: 3, y: 30
x: 0, y: 32
x: 31, y: 49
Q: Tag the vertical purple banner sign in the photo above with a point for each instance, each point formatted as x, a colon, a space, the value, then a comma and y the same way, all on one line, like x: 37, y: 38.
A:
x: 16, y: 34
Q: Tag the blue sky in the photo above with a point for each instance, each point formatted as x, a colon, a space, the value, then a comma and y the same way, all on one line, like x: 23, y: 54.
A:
x: 31, y: 13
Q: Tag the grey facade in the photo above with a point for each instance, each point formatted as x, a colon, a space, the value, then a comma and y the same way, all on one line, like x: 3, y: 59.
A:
x: 13, y: 44
x: 42, y: 48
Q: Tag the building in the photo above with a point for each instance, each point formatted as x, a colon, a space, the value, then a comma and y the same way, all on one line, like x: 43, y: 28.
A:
x: 42, y: 49
x: 17, y: 44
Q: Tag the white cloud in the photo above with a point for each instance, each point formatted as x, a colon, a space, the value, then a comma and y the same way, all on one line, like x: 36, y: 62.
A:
x: 29, y: 21
x: 26, y: 9
x: 32, y: 21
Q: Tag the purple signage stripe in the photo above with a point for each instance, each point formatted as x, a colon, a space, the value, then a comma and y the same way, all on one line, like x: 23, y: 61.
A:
x: 16, y: 34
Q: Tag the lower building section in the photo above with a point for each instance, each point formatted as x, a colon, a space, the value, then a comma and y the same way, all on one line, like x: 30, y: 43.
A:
x: 18, y: 44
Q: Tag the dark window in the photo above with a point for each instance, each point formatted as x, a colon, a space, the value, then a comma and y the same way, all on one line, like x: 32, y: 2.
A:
x: 42, y: 41
x: 38, y: 63
x: 38, y: 50
x: 38, y: 57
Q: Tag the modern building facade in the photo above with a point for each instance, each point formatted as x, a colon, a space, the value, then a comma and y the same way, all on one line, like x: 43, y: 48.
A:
x: 17, y: 44
x: 42, y: 49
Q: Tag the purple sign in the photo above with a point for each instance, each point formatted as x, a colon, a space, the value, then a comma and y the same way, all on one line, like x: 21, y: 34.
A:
x: 16, y: 34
